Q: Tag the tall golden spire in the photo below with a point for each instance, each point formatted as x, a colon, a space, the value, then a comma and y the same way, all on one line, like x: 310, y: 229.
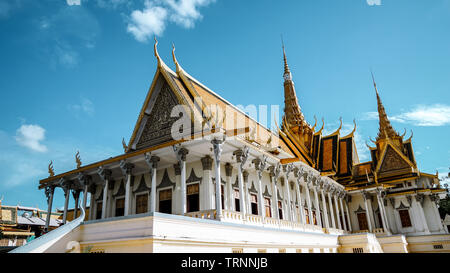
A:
x: 292, y: 110
x: 385, y: 130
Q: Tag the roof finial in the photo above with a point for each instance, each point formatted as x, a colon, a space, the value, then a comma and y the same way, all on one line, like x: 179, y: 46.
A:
x: 374, y: 83
x: 385, y: 130
x: 287, y: 72
x: 156, y: 52
x: 175, y: 58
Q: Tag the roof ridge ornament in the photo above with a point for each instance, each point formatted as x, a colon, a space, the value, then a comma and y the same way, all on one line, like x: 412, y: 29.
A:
x: 178, y: 67
x: 78, y: 159
x: 156, y: 52
x: 51, y: 171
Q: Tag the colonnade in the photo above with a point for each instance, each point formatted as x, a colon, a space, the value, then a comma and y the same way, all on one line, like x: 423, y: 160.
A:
x: 280, y: 178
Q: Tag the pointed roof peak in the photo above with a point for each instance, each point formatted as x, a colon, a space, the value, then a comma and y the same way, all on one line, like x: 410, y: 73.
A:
x: 385, y: 130
x: 287, y: 72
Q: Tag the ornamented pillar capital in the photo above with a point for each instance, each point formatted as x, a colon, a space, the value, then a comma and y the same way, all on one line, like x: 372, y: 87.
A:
x: 126, y: 167
x: 217, y: 145
x: 274, y: 172
x: 75, y: 194
x: 228, y: 169
x: 245, y: 175
x: 152, y: 161
x: 104, y: 174
x: 49, y: 190
x: 65, y: 185
x: 365, y: 195
x: 241, y: 156
x: 207, y: 163
x: 260, y: 165
x: 84, y: 180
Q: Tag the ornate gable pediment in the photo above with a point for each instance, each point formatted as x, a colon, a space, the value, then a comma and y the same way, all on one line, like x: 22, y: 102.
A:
x: 157, y: 125
x: 393, y: 161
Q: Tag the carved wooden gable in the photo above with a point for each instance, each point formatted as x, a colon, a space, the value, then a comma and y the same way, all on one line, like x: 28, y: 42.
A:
x: 393, y: 161
x: 157, y: 128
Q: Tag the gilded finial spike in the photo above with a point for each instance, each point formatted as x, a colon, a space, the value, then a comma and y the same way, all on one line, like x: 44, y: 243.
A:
x: 78, y: 159
x: 156, y: 52
x: 124, y: 145
x: 315, y: 124
x: 323, y: 126
x: 51, y: 171
x: 412, y: 134
x: 175, y: 58
x: 404, y: 133
x: 374, y: 83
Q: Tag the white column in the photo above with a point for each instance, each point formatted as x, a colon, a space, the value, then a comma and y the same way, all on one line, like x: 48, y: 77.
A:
x: 330, y: 203
x: 434, y: 201
x: 217, y: 145
x: 348, y: 215
x: 366, y: 197
x: 229, y: 188
x: 308, y: 202
x: 206, y: 193
x: 325, y: 210
x: 337, y: 211
x: 316, y: 197
x: 288, y: 169
x: 344, y: 225
x: 127, y: 167
x: 260, y: 165
x: 49, y: 191
x: 181, y: 156
x: 92, y: 189
x: 419, y: 198
x: 382, y: 212
x: 274, y: 173
x: 105, y: 198
x: 105, y: 175
x: 152, y: 163
x: 241, y: 158
x: 65, y: 185
x: 300, y: 201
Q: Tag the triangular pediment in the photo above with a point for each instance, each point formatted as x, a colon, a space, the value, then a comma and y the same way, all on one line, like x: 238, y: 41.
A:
x: 158, y: 123
x: 393, y: 161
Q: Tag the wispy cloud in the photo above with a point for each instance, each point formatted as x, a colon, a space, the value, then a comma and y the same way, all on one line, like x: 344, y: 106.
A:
x: 7, y: 6
x: 73, y: 2
x: 31, y: 136
x: 85, y: 106
x: 373, y: 2
x: 421, y: 115
x: 156, y: 14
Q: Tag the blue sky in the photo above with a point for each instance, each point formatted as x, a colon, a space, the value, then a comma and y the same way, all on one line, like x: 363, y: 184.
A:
x: 74, y: 73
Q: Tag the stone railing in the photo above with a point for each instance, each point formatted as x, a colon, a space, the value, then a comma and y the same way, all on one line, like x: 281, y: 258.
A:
x: 379, y: 231
x: 203, y: 214
x: 256, y: 220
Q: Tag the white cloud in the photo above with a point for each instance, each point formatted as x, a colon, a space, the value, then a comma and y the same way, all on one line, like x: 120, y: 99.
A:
x: 152, y: 20
x: 148, y: 22
x: 421, y: 115
x: 374, y: 2
x: 73, y: 2
x: 185, y: 12
x: 424, y: 115
x: 30, y: 136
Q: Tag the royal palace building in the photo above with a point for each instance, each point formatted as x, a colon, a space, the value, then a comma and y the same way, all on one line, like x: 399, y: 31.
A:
x: 200, y: 175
